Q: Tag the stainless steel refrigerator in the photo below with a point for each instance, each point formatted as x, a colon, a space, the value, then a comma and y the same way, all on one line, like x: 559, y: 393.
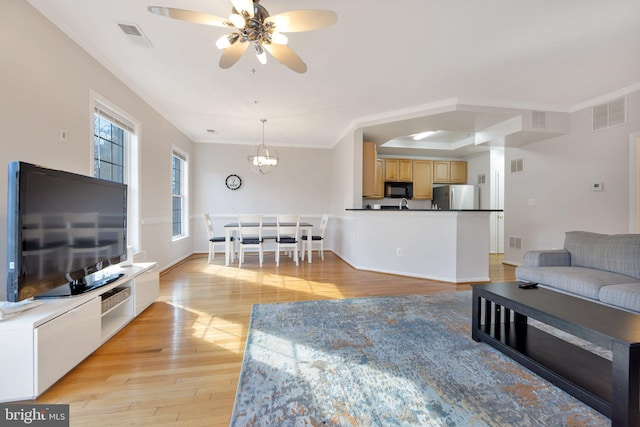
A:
x: 456, y: 197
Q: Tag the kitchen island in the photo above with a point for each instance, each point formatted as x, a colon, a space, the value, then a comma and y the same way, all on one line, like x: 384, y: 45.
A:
x: 446, y: 245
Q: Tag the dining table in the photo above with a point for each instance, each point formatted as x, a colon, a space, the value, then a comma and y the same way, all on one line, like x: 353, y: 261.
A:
x: 232, y: 228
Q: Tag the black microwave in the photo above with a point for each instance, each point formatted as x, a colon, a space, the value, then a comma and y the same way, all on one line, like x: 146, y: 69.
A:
x: 398, y: 190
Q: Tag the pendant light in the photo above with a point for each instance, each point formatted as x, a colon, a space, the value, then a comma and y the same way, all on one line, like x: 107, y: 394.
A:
x: 263, y: 159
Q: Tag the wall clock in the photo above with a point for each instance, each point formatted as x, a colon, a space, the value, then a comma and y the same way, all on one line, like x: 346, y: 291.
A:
x: 233, y: 182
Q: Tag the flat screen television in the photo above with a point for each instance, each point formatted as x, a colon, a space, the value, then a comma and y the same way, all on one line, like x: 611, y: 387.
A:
x: 61, y: 229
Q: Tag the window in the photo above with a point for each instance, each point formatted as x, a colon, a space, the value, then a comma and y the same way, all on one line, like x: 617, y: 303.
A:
x: 108, y: 151
x: 178, y: 195
x: 115, y: 156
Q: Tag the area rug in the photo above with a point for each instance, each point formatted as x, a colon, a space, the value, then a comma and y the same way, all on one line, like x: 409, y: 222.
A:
x: 388, y: 361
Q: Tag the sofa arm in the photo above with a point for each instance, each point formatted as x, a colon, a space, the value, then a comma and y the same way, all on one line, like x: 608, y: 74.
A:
x: 548, y: 258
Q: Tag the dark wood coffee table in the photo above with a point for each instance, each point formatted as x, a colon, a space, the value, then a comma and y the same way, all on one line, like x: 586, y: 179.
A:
x: 500, y: 313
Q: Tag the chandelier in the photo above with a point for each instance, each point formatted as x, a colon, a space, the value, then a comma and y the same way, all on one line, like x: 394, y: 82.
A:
x: 263, y: 159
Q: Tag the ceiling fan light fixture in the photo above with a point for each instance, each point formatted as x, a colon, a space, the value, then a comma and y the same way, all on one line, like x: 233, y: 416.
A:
x: 227, y: 40
x: 244, y: 6
x: 279, y: 38
x: 223, y: 42
x: 252, y: 23
x: 261, y: 54
x: 237, y: 20
x: 263, y: 159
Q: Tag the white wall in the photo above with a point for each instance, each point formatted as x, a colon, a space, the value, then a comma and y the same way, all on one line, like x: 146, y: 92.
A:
x: 301, y: 183
x: 346, y: 189
x: 558, y: 174
x: 480, y: 165
x: 46, y: 83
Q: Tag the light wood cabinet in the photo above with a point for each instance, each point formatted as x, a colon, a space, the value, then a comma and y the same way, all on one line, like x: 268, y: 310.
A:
x: 372, y: 172
x: 449, y: 172
x: 379, y: 180
x: 369, y: 157
x: 391, y: 169
x: 422, y: 179
x: 458, y: 172
x: 398, y: 170
x: 440, y: 171
x: 405, y: 170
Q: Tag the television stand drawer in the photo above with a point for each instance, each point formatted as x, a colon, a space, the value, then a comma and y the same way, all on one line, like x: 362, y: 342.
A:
x: 65, y: 341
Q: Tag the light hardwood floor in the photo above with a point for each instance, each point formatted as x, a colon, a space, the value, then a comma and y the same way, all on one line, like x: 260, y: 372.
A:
x: 178, y: 362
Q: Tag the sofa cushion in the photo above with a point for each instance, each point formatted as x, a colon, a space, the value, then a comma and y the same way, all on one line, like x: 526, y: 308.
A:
x: 615, y: 253
x: 581, y: 281
x: 548, y: 258
x: 626, y: 295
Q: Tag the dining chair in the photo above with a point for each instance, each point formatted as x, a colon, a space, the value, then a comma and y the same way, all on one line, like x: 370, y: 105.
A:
x: 214, y: 240
x: 250, y: 235
x: 287, y: 229
x: 316, y: 238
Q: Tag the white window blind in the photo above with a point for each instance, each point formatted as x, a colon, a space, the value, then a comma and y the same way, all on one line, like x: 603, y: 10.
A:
x: 114, y: 118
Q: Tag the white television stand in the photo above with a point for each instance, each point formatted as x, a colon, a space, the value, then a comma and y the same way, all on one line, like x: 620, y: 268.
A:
x: 39, y: 346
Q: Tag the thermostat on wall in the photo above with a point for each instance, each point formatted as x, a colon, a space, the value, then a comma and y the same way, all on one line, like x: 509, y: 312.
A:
x: 597, y: 186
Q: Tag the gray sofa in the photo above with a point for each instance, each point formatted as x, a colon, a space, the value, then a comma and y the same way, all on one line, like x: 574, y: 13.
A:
x: 599, y: 267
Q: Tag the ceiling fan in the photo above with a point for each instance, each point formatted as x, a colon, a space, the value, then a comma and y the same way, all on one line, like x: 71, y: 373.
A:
x: 252, y: 23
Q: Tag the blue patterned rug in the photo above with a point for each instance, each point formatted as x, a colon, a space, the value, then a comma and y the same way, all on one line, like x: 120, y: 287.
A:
x: 388, y: 361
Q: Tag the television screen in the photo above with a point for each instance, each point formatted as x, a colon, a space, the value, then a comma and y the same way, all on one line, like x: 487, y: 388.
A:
x: 62, y: 227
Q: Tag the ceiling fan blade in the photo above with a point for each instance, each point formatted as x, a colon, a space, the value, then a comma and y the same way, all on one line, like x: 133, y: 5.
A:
x: 232, y: 54
x: 302, y: 20
x: 287, y: 57
x: 189, y: 16
x: 241, y: 5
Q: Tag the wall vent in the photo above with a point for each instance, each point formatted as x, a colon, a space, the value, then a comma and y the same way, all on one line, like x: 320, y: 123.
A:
x: 609, y: 114
x: 482, y: 179
x: 135, y: 35
x: 515, y: 244
x: 517, y: 165
x: 538, y: 120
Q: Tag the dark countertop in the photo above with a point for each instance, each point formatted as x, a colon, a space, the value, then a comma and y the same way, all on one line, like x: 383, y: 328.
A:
x: 424, y: 210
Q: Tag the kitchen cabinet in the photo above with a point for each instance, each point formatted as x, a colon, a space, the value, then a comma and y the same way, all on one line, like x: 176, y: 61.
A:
x: 398, y: 170
x: 449, y: 172
x: 372, y: 172
x: 440, y: 171
x: 379, y: 180
x: 422, y: 179
x: 458, y: 172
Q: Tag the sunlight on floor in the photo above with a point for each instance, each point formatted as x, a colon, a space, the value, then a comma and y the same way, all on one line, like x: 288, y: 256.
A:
x: 279, y: 281
x: 216, y: 330
x: 229, y: 334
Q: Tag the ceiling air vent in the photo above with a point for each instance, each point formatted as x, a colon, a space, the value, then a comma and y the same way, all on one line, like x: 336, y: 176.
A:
x: 609, y: 114
x: 538, y: 120
x: 135, y: 35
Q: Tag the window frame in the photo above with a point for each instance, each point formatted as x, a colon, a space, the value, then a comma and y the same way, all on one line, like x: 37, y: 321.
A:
x: 182, y: 196
x: 109, y: 111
